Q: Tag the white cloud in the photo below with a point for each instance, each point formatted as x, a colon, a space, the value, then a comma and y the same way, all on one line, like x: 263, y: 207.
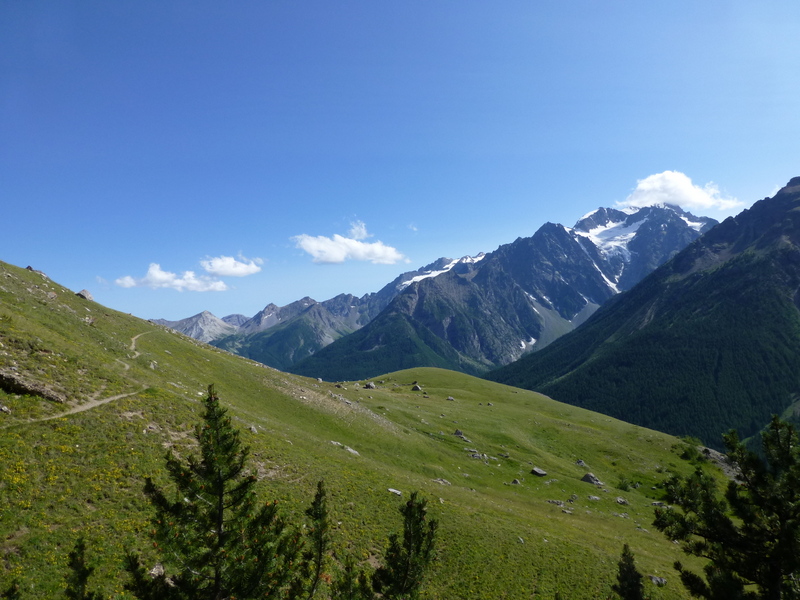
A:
x: 228, y: 266
x: 358, y: 231
x: 157, y: 278
x: 673, y: 187
x: 338, y: 249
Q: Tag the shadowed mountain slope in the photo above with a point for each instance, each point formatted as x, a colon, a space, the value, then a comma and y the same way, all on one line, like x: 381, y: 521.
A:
x: 708, y: 342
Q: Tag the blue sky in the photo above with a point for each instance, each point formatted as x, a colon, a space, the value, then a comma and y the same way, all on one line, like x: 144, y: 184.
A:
x: 173, y: 157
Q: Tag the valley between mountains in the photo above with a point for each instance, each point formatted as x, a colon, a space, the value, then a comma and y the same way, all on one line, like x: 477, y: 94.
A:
x: 697, y: 331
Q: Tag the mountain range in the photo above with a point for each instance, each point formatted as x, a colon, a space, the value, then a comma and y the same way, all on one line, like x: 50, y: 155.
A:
x: 279, y: 336
x: 471, y: 314
x: 709, y: 341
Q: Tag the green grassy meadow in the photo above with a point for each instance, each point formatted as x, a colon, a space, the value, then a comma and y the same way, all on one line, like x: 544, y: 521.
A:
x: 65, y: 475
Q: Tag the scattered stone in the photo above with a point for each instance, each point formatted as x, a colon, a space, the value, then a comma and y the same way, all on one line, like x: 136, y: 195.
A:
x: 153, y: 365
x: 156, y: 571
x: 594, y: 498
x: 659, y: 581
x: 30, y: 268
x: 351, y: 451
x: 369, y: 386
x: 566, y: 511
x: 450, y: 399
x: 516, y: 482
x: 442, y: 481
x: 538, y: 472
x: 521, y: 541
x: 580, y: 463
x: 85, y: 294
x: 572, y: 498
x: 5, y: 409
x: 658, y: 504
x: 319, y: 379
x: 253, y: 429
x: 52, y: 295
x: 590, y: 478
x: 416, y: 388
x: 621, y: 500
x: 459, y: 433
x: 397, y: 492
x: 489, y: 404
x: 556, y: 502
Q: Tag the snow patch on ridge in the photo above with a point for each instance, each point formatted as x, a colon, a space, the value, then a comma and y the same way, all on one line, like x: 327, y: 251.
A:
x: 693, y: 224
x: 612, y: 239
x: 464, y: 260
x: 533, y: 303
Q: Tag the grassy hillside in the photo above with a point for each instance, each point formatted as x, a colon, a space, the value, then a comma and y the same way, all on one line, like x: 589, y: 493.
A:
x: 131, y: 391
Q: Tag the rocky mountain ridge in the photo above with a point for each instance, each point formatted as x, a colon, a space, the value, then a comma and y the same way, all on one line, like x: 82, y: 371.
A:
x: 485, y: 311
x: 707, y: 342
x: 518, y: 298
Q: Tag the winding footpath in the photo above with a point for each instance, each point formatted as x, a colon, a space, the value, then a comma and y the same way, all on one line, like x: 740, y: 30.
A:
x: 92, y: 403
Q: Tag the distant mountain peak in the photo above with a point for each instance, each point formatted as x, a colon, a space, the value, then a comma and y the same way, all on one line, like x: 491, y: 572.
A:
x: 203, y: 326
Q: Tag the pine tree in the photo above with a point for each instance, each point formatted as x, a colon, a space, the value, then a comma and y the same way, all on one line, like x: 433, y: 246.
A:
x: 629, y: 579
x: 320, y: 538
x: 752, y: 535
x: 315, y: 553
x: 214, y: 540
x: 406, y: 560
x: 352, y: 583
x: 79, y: 573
